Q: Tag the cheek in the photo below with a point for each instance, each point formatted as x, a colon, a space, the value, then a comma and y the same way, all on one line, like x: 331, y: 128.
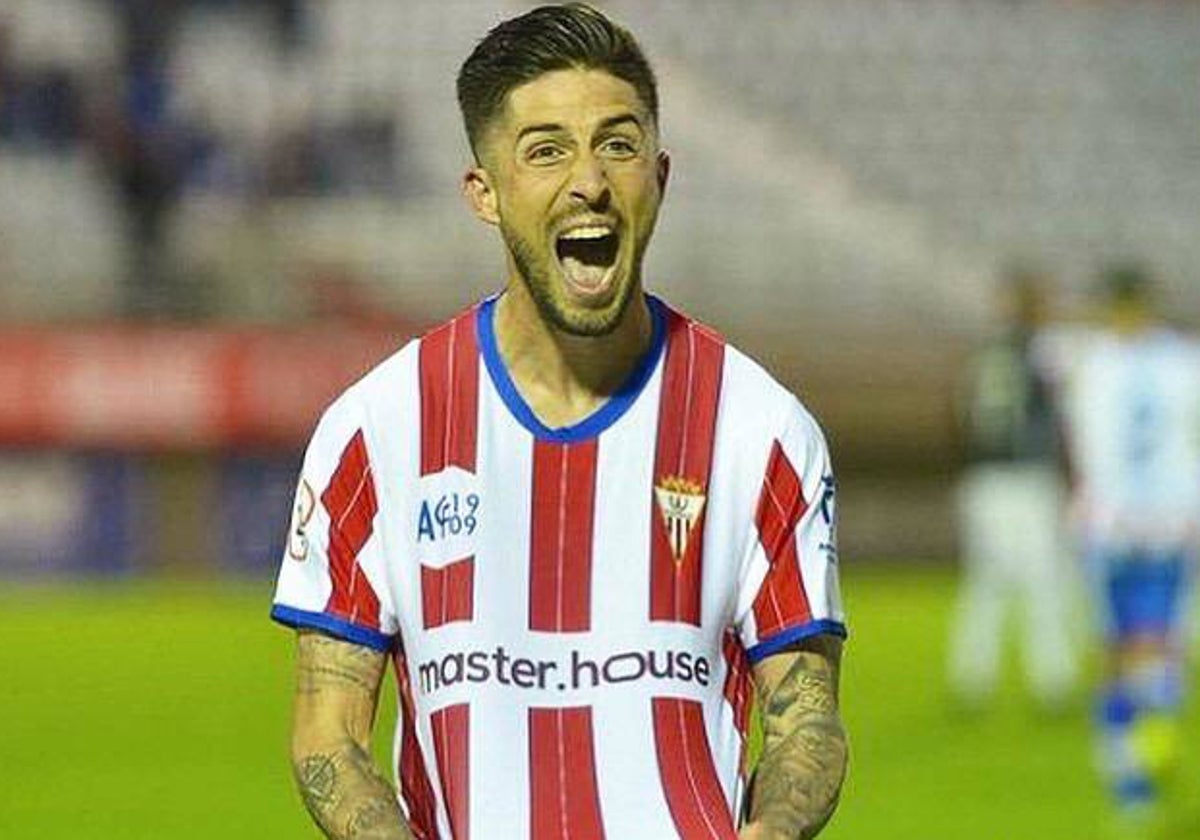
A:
x: 641, y: 190
x: 528, y: 208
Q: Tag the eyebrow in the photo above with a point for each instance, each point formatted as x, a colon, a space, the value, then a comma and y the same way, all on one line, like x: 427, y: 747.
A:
x: 551, y: 128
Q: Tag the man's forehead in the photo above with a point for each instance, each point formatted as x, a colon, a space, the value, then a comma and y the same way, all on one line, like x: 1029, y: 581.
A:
x: 573, y: 98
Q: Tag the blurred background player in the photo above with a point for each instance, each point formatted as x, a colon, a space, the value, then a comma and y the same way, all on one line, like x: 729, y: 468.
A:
x: 1133, y: 412
x: 1009, y: 511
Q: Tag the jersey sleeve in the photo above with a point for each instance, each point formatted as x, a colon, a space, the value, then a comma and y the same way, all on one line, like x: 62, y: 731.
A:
x: 332, y: 576
x: 789, y: 585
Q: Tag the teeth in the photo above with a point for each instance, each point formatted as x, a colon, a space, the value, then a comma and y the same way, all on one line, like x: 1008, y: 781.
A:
x: 595, y: 232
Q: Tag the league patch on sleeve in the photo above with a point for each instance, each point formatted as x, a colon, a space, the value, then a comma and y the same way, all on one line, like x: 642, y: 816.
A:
x: 302, y: 511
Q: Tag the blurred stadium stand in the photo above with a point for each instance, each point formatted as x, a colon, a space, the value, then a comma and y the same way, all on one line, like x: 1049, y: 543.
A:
x: 281, y: 177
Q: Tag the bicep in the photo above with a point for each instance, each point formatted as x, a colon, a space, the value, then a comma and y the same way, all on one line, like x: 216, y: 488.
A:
x: 337, y: 690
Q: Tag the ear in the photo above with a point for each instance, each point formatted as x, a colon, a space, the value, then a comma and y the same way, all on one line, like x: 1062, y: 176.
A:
x: 478, y: 188
x: 663, y: 167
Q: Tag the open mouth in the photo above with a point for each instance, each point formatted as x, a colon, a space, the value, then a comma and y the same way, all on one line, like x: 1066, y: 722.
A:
x: 588, y: 255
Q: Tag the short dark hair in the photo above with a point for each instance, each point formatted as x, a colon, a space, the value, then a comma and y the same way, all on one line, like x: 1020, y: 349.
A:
x: 541, y: 41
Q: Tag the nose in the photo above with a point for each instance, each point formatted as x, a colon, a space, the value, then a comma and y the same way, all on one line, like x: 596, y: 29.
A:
x: 589, y: 182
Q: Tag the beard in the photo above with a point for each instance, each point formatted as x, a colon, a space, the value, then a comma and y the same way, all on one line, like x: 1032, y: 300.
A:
x: 537, y: 271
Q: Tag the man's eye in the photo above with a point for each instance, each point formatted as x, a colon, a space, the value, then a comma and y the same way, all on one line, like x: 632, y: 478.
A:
x: 543, y: 154
x: 619, y: 146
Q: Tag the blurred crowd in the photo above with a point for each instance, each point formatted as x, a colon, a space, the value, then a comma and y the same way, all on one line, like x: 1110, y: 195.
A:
x: 125, y: 118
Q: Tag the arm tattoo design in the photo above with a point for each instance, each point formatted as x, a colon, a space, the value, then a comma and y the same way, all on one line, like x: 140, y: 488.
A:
x: 340, y: 784
x: 799, y: 776
x: 348, y: 797
x: 329, y: 664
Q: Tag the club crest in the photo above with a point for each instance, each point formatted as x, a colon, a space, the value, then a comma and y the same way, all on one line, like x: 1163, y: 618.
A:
x: 680, y: 502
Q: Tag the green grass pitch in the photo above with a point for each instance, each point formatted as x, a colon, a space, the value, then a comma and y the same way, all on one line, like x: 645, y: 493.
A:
x: 145, y: 711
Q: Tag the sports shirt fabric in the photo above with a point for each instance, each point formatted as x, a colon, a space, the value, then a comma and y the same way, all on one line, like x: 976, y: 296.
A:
x: 1133, y: 420
x: 571, y: 612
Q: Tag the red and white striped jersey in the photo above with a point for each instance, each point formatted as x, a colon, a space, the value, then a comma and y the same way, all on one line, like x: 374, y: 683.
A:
x: 571, y: 611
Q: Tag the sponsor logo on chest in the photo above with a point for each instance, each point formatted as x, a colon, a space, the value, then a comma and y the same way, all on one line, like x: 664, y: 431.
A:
x: 447, y: 517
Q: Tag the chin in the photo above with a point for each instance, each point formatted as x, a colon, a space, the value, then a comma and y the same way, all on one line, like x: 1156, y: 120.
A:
x: 591, y: 316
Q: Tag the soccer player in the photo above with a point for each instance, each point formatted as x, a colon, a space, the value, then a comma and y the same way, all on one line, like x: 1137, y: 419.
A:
x: 582, y: 527
x: 1134, y: 418
x: 1010, y: 511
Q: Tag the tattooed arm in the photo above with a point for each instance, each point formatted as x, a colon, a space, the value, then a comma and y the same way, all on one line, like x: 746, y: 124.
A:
x: 337, y: 689
x: 796, y: 785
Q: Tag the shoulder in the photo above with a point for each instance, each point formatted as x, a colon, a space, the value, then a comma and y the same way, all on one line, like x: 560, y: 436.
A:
x: 757, y: 397
x: 740, y: 372
x: 764, y: 394
x: 396, y: 380
x: 756, y: 409
x: 384, y: 383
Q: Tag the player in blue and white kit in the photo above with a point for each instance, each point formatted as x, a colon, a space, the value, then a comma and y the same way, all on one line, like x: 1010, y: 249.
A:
x: 1133, y: 416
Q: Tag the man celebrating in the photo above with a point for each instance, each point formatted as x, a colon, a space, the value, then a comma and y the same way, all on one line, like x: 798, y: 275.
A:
x: 583, y: 528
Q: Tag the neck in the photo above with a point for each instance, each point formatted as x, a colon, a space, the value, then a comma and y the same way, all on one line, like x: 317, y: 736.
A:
x: 564, y: 378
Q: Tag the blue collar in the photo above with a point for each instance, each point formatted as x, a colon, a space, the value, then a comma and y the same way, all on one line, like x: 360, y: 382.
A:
x: 596, y: 422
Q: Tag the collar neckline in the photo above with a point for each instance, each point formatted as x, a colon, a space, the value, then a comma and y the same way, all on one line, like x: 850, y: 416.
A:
x: 599, y: 420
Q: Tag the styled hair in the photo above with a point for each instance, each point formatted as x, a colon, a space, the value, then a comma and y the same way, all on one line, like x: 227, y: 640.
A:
x: 545, y: 39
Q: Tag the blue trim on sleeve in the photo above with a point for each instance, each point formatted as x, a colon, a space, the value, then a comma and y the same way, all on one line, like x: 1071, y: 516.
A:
x: 332, y: 625
x: 784, y: 638
x: 595, y: 423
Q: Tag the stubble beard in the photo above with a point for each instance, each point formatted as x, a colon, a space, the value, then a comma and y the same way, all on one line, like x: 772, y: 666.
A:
x: 576, y: 321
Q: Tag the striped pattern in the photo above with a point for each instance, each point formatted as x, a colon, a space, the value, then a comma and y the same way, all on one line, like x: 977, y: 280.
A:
x: 560, y: 562
x: 564, y: 794
x: 739, y: 689
x: 415, y: 787
x: 689, y: 778
x: 687, y: 419
x: 449, y: 375
x: 537, y: 658
x: 452, y: 746
x: 448, y: 594
x: 782, y: 601
x: 351, y: 504
x: 449, y: 386
x: 564, y: 799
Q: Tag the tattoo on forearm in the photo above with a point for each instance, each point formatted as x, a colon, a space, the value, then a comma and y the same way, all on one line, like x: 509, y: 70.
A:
x: 804, y: 753
x: 348, y: 797
x: 317, y: 776
x: 374, y: 819
x: 340, y: 784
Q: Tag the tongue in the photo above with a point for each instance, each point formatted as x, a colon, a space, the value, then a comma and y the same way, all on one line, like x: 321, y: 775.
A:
x: 584, y: 275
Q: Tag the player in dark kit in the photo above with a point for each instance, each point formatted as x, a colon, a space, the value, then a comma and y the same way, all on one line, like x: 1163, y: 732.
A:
x: 584, y: 529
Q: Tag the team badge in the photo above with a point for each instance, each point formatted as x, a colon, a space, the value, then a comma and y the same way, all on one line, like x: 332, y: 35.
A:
x: 306, y: 503
x: 680, y: 502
